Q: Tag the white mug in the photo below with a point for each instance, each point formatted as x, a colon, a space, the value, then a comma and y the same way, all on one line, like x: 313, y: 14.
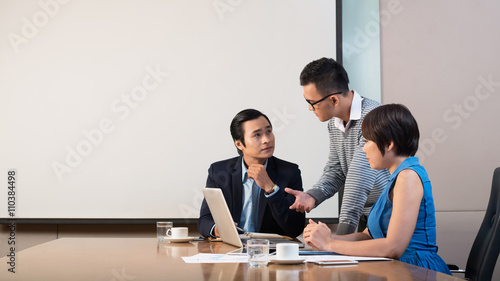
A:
x: 287, y: 251
x: 178, y: 232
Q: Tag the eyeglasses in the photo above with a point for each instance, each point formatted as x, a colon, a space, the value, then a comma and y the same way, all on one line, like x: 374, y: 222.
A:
x: 324, y: 98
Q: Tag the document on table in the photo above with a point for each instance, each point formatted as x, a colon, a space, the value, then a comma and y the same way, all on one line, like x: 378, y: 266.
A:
x: 223, y: 258
x: 216, y: 258
x: 314, y: 258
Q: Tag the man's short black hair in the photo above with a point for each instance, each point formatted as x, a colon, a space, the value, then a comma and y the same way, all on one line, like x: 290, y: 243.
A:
x: 236, y: 126
x: 392, y: 122
x: 328, y: 76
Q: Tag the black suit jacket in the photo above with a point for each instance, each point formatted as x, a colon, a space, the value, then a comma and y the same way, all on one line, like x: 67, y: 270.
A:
x: 274, y: 213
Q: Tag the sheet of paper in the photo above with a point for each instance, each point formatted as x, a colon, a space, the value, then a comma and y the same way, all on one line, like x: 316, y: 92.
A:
x: 340, y: 257
x: 264, y: 235
x: 216, y: 258
x: 243, y: 258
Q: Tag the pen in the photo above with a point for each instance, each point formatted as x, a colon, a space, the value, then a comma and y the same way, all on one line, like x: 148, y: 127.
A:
x: 244, y: 232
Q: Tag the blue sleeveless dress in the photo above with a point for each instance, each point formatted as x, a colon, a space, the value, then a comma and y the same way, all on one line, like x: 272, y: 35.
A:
x: 422, y: 249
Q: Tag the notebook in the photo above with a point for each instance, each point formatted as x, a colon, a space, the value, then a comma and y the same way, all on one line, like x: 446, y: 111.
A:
x: 225, y: 223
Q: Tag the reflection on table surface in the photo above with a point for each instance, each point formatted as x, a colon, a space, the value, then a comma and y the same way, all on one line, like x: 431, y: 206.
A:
x: 148, y: 259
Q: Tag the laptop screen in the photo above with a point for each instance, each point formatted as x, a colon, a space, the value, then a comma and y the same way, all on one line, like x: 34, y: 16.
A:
x: 225, y: 223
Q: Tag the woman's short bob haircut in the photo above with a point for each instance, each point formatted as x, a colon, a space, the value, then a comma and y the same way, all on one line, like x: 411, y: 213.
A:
x: 392, y: 123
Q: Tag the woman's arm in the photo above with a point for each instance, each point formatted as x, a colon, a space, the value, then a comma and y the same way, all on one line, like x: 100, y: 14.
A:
x: 357, y: 236
x: 407, y: 196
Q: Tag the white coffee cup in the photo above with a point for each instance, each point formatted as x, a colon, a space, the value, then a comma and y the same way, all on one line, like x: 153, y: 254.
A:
x: 178, y: 233
x: 287, y: 251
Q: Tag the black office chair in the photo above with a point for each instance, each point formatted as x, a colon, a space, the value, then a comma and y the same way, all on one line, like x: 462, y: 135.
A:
x: 484, y: 252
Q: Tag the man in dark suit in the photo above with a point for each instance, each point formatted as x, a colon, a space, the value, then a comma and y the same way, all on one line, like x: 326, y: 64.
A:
x: 253, y: 184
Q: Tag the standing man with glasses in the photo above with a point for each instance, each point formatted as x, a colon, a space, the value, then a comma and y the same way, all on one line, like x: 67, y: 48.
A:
x: 325, y: 84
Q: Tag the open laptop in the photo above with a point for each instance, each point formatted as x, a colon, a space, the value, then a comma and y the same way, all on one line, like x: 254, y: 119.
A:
x: 225, y: 223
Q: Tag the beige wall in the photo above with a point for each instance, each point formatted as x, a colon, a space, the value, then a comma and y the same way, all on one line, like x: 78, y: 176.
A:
x: 435, y: 58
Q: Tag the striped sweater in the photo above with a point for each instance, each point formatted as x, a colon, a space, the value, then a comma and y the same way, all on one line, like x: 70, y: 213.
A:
x: 347, y: 167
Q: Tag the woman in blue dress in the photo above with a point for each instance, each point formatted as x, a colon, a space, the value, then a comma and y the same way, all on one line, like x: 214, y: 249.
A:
x: 401, y: 224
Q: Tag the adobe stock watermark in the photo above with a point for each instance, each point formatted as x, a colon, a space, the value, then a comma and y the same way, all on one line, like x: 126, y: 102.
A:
x: 32, y: 25
x: 283, y: 117
x: 12, y: 178
x: 457, y: 114
x: 221, y: 7
x: 122, y: 107
x: 193, y: 210
x: 363, y: 37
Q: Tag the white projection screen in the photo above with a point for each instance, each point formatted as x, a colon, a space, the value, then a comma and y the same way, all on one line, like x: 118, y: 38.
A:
x: 116, y: 109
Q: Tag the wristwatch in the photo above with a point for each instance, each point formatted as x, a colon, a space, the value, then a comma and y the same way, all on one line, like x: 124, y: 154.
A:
x: 275, y: 187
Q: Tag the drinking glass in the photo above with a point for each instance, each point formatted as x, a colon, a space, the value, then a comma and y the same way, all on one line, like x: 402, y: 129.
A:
x: 161, y: 229
x: 258, y: 252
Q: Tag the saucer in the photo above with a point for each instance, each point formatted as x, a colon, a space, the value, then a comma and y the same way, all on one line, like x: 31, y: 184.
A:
x: 179, y: 240
x: 293, y: 261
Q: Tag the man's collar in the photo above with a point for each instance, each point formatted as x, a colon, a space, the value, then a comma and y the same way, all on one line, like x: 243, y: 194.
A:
x: 357, y: 100
x: 355, y: 114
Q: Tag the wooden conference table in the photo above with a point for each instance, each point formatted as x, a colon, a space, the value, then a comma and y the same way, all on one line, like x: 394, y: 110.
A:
x: 120, y: 259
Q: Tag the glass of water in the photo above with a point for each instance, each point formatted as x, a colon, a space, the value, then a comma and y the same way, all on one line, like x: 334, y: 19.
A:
x: 258, y: 252
x: 161, y: 229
